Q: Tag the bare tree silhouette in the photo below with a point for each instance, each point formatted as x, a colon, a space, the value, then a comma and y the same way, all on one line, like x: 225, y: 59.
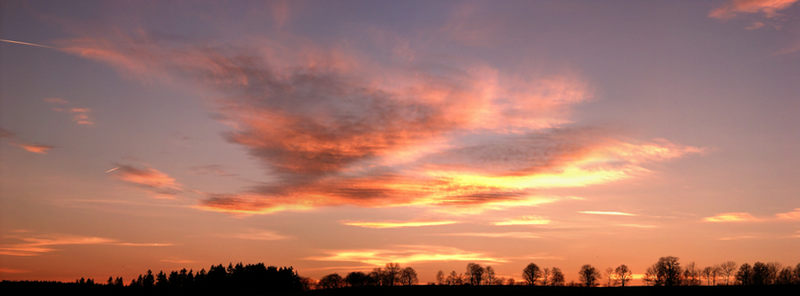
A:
x: 727, y: 268
x: 609, y: 272
x: 531, y: 274
x: 623, y: 274
x: 408, y: 276
x: 440, y: 279
x: 667, y: 271
x: 474, y: 273
x: 588, y: 275
x: 557, y: 279
x: 545, y: 276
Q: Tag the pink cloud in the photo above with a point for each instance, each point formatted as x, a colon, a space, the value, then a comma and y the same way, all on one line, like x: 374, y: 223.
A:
x: 152, y: 179
x: 733, y: 8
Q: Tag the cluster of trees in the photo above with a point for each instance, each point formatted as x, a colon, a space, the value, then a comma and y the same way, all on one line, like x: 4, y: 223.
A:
x: 237, y: 279
x: 668, y: 272
x: 474, y: 275
x: 391, y: 275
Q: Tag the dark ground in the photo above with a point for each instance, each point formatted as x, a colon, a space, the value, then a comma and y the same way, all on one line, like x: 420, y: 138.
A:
x: 54, y: 288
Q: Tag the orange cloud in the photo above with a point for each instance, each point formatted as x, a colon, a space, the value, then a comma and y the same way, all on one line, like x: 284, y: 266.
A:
x: 793, y: 215
x: 14, y: 140
x: 518, y: 235
x: 525, y: 220
x: 260, y: 235
x: 333, y: 129
x: 36, y: 148
x: 38, y: 245
x: 731, y: 217
x: 397, y: 224
x: 769, y: 8
x: 407, y: 255
x: 609, y: 213
x: 154, y: 180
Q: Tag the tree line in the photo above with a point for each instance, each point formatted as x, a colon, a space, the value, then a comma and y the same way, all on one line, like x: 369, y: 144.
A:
x: 255, y: 279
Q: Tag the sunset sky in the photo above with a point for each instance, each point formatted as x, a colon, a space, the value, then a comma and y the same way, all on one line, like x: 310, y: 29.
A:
x: 336, y: 136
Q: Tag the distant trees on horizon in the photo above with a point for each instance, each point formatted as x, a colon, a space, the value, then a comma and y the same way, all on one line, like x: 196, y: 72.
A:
x: 259, y: 278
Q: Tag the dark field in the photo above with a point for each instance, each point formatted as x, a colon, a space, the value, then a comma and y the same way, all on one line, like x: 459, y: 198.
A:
x: 56, y: 288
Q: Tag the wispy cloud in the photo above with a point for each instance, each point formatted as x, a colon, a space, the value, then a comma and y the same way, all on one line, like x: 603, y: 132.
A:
x: 738, y: 237
x: 27, y: 146
x: 519, y: 235
x: 178, y: 261
x: 12, y: 270
x: 406, y: 254
x: 397, y: 224
x: 154, y: 180
x: 608, y: 213
x: 259, y: 235
x: 46, y: 243
x: 792, y: 215
x: 525, y: 220
x: 25, y: 43
x: 769, y: 8
x: 35, y: 148
x: 634, y: 225
x: 80, y: 115
x: 732, y: 217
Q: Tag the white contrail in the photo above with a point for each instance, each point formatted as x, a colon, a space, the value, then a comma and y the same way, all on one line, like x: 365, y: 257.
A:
x: 26, y: 43
x: 112, y: 169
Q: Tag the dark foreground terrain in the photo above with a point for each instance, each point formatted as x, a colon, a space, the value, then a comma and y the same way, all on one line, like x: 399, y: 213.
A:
x: 57, y: 288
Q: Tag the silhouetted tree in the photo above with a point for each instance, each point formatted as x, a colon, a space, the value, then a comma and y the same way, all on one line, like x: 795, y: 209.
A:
x: 744, y: 275
x: 609, y: 272
x: 796, y: 273
x: 331, y: 281
x: 391, y: 273
x: 408, y: 276
x: 531, y: 274
x: 760, y: 275
x: 785, y: 277
x: 691, y: 275
x: 454, y: 279
x: 148, y: 281
x: 650, y: 277
x: 440, y: 279
x: 474, y: 273
x: 356, y: 279
x: 588, y: 275
x: 623, y: 274
x: 546, y: 276
x: 727, y: 269
x: 707, y: 273
x: 557, y: 279
x: 490, y: 278
x: 667, y: 271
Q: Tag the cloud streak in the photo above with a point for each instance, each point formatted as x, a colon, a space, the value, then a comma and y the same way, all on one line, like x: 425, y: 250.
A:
x: 607, y: 213
x: 151, y: 179
x: 397, y: 224
x: 731, y: 217
x: 525, y: 220
x: 30, y: 147
x: 407, y: 255
x: 47, y: 243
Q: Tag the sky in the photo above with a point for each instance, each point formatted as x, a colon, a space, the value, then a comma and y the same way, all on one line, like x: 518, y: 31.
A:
x: 338, y: 136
